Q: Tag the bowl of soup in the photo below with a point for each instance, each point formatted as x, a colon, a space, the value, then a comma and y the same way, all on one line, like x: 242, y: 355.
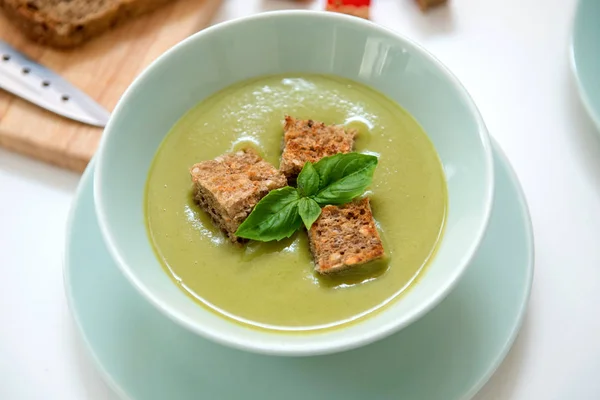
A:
x: 294, y: 182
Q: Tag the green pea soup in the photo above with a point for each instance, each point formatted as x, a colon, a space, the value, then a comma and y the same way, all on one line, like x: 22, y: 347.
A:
x: 273, y: 285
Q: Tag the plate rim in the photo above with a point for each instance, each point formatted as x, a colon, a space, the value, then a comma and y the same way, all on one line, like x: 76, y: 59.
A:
x: 476, y: 388
x: 530, y: 272
x: 581, y: 90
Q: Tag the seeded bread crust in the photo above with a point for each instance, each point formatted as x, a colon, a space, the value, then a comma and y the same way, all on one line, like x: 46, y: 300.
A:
x: 344, y: 237
x: 427, y: 4
x: 308, y: 140
x: 68, y: 23
x: 229, y: 186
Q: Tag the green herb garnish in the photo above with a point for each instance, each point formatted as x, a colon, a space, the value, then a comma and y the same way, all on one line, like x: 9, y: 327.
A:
x: 336, y: 180
x: 309, y: 211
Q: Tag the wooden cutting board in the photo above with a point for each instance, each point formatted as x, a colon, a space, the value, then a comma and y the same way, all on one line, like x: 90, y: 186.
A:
x: 103, y: 68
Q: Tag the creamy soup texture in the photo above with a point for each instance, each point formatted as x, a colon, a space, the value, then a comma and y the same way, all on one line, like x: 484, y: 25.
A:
x: 272, y: 285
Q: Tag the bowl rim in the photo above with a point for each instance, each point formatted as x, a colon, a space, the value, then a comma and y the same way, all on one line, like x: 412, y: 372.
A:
x: 338, y: 343
x: 575, y: 64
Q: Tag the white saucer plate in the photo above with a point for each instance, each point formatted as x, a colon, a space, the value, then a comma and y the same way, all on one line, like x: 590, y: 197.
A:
x: 448, y: 354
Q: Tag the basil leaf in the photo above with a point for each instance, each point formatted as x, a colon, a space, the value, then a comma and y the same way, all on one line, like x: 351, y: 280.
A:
x: 274, y: 217
x: 308, y: 180
x: 343, y: 177
x: 333, y: 168
x: 309, y: 211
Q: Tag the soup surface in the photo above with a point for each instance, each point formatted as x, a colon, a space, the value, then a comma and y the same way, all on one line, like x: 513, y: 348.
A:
x: 272, y: 285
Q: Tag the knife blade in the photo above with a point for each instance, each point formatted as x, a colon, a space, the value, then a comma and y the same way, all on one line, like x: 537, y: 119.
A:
x: 39, y: 85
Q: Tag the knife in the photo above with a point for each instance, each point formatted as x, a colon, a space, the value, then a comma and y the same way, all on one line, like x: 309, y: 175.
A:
x: 39, y: 85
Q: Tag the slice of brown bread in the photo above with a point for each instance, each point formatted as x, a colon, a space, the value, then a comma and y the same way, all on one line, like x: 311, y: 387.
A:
x: 308, y: 140
x: 229, y: 186
x: 427, y: 4
x: 68, y: 23
x: 344, y: 237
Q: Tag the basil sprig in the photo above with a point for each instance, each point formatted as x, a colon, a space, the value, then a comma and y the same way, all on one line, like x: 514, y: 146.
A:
x: 332, y: 180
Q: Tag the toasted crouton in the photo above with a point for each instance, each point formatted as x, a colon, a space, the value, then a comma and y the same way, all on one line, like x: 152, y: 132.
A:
x: 427, y: 4
x: 308, y: 140
x: 229, y: 186
x: 344, y: 237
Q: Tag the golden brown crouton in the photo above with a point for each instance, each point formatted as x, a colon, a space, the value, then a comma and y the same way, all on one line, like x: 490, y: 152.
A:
x: 344, y: 236
x: 308, y: 140
x: 427, y: 4
x: 229, y: 186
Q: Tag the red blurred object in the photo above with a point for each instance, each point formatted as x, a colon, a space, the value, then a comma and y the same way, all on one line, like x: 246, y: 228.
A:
x: 358, y: 8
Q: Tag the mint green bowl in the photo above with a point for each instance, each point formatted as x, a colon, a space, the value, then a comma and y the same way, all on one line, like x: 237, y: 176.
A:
x: 585, y: 55
x: 275, y: 43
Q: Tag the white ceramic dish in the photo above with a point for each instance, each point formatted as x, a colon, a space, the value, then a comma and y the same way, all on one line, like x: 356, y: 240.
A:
x: 585, y: 56
x: 280, y: 42
x: 449, y: 354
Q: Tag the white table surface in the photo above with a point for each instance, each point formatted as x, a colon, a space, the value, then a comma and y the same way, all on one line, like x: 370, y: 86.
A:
x: 513, y: 57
